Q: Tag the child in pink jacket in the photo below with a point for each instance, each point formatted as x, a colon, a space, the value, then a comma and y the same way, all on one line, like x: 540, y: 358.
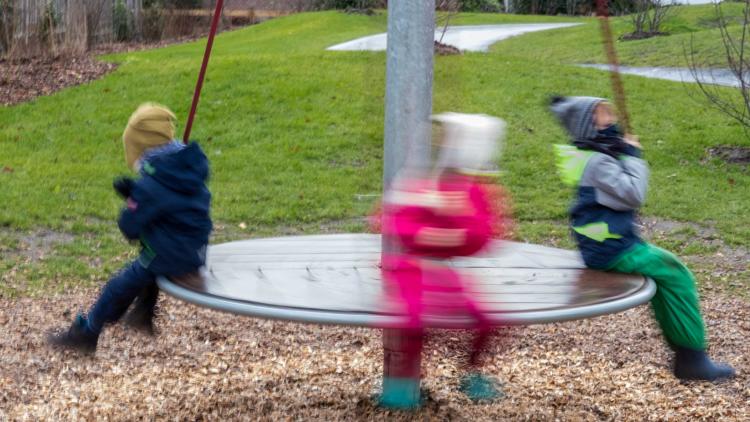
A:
x: 432, y: 218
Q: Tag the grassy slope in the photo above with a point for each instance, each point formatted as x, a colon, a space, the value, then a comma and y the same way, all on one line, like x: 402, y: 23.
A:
x: 294, y: 135
x: 583, y: 44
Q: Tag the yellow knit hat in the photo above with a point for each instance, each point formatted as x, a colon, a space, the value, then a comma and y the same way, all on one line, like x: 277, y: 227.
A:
x: 150, y: 126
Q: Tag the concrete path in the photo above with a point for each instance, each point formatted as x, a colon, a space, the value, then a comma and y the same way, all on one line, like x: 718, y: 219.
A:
x: 465, y: 38
x: 722, y: 77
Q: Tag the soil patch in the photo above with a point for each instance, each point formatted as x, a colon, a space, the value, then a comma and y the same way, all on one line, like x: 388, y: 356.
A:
x: 359, y: 11
x: 24, y: 80
x: 642, y: 35
x: 445, y: 49
x: 33, y: 246
x: 718, y: 266
x: 731, y: 154
x: 216, y: 366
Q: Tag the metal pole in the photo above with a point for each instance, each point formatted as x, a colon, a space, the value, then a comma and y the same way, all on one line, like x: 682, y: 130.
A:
x: 408, y: 92
x: 202, y: 73
x: 408, y: 105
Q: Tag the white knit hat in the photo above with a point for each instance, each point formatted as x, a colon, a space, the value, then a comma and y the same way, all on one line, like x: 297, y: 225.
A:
x: 471, y: 143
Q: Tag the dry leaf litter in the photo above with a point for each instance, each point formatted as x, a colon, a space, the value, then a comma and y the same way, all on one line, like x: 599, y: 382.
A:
x: 206, y: 365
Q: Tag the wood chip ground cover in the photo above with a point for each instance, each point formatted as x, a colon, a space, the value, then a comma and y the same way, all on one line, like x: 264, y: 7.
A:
x: 206, y: 365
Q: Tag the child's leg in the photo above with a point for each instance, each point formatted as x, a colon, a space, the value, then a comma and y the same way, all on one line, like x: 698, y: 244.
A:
x: 113, y: 301
x: 148, y: 297
x: 481, y: 338
x: 676, y: 309
x: 477, y: 386
x: 675, y: 303
x: 142, y: 315
x: 402, y: 347
x: 118, y: 294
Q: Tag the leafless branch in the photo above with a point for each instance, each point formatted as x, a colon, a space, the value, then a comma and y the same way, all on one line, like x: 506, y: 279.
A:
x: 732, y: 103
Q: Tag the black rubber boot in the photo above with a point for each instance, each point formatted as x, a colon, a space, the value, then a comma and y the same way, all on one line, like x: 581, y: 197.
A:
x: 691, y: 364
x: 78, y: 337
x: 141, y: 318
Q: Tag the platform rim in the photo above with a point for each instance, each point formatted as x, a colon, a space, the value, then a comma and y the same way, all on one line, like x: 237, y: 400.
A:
x: 381, y: 320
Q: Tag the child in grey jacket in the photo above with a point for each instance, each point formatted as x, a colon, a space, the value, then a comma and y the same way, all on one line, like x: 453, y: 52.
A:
x: 611, y: 180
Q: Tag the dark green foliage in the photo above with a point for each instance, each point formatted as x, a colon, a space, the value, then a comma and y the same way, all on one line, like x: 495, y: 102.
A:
x: 350, y: 4
x: 480, y: 5
x: 172, y: 4
x: 182, y: 4
x: 6, y: 24
x: 122, y: 22
x: 570, y: 7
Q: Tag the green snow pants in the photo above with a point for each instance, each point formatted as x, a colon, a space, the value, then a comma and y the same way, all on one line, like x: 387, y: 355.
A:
x: 675, y: 303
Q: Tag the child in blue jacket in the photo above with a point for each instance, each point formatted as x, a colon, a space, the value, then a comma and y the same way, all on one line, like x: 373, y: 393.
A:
x: 166, y: 210
x: 611, y: 180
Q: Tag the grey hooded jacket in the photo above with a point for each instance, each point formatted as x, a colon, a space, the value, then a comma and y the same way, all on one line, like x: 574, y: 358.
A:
x: 609, y: 190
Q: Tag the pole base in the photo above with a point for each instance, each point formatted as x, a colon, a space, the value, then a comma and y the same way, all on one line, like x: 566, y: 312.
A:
x: 400, y: 393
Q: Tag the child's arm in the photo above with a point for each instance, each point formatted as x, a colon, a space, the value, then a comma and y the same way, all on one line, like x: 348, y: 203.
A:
x: 621, y: 184
x: 479, y: 224
x: 141, y: 208
x: 123, y: 186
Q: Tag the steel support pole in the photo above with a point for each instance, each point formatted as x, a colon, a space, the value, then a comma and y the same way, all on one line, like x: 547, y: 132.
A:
x: 409, y: 74
x: 408, y: 105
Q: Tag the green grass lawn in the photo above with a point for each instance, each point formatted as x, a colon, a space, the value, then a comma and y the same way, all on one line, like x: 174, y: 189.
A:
x: 294, y: 135
x: 688, y: 26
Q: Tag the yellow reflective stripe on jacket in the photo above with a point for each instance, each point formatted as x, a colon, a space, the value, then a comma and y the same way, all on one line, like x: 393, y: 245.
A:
x: 596, y: 231
x: 571, y: 162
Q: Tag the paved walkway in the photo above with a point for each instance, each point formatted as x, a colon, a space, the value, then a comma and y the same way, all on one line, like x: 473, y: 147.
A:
x: 722, y: 77
x: 465, y: 38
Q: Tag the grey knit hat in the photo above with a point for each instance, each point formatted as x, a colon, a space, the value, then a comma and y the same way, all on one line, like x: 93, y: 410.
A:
x: 576, y: 114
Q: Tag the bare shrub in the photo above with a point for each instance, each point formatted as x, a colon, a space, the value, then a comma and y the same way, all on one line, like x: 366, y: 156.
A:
x: 647, y: 18
x: 76, y: 28
x: 99, y: 21
x: 152, y: 21
x: 452, y: 8
x: 733, y: 103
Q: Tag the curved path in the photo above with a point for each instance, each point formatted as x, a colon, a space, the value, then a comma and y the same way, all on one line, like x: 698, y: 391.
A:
x: 465, y: 38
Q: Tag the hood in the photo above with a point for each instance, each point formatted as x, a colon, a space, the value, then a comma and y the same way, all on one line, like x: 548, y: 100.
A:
x: 576, y: 114
x: 185, y: 170
x: 471, y: 142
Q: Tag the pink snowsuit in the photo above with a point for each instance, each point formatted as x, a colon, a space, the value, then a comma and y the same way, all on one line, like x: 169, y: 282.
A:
x: 423, y: 282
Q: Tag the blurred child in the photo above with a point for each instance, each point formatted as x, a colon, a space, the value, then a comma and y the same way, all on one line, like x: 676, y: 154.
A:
x: 430, y: 219
x: 166, y: 209
x: 611, y: 180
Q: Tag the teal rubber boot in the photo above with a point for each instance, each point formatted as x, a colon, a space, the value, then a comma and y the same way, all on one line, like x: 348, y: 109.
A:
x: 478, y: 387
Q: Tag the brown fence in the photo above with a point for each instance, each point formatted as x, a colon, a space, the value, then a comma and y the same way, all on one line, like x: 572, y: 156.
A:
x: 30, y: 28
x: 35, y: 27
x: 275, y: 5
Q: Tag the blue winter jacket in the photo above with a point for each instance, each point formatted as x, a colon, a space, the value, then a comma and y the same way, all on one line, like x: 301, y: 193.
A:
x: 168, y: 211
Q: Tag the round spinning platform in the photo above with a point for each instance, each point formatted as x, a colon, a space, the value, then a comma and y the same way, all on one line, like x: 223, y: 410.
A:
x: 335, y: 279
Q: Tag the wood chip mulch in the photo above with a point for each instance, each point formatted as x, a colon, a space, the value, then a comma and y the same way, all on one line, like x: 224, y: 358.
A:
x: 206, y: 365
x: 25, y: 80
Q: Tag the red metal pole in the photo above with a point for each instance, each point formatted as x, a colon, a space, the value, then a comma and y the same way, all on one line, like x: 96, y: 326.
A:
x: 202, y: 74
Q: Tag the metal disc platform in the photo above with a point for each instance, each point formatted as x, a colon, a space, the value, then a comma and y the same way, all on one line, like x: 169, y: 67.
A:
x: 336, y: 279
